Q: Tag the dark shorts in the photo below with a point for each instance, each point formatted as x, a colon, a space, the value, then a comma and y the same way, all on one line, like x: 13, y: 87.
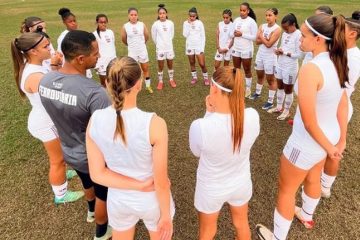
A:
x: 100, y: 191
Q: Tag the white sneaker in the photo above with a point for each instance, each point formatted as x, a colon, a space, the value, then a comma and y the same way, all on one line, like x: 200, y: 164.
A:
x: 263, y: 232
x: 90, y: 217
x: 106, y: 236
x: 285, y: 114
x: 325, y: 192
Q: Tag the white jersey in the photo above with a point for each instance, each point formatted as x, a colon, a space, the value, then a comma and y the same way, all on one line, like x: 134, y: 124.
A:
x: 327, y: 101
x: 194, y: 32
x: 225, y: 34
x: 248, y: 28
x: 133, y: 160
x: 221, y: 170
x: 290, y: 43
x: 135, y: 37
x: 353, y: 55
x: 162, y: 33
x: 106, y: 42
x: 267, y: 32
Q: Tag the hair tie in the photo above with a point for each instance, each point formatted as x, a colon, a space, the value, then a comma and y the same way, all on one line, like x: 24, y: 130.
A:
x: 118, y: 113
x: 316, y: 32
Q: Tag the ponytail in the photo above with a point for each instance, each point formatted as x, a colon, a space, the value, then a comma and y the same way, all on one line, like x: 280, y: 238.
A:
x: 19, y: 65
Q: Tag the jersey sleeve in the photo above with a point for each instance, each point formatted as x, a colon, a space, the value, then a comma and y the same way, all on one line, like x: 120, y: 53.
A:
x: 297, y: 53
x: 253, y: 31
x: 153, y: 32
x: 195, y: 138
x: 172, y: 29
x: 186, y: 29
x: 98, y: 100
x: 203, y: 38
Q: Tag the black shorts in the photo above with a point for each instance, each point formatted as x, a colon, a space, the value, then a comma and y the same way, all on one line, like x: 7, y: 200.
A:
x: 100, y: 190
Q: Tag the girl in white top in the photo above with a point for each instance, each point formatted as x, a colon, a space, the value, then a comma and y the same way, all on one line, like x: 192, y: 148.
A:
x: 224, y: 39
x: 123, y: 139
x: 287, y: 65
x: 106, y: 41
x: 194, y: 32
x: 28, y: 53
x: 352, y: 34
x: 134, y: 35
x: 320, y: 123
x: 245, y: 32
x: 162, y: 33
x: 267, y: 38
x: 222, y: 140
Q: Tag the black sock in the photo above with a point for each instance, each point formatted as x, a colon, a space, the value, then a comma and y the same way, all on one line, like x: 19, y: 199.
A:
x: 91, y: 205
x: 101, y: 229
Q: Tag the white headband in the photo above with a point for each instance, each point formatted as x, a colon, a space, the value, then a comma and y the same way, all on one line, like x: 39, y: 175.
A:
x: 316, y: 32
x: 221, y: 87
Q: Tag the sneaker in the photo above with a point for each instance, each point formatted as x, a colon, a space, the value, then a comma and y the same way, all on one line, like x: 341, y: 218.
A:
x: 70, y: 174
x: 308, y: 224
x: 172, y: 83
x: 247, y: 93
x: 263, y: 232
x: 267, y: 106
x: 106, y: 236
x: 254, y: 96
x: 70, y: 196
x: 149, y: 89
x: 193, y: 81
x: 325, y: 192
x: 160, y: 86
x: 206, y: 82
x: 285, y: 114
x: 274, y: 110
x: 291, y: 122
x: 90, y: 217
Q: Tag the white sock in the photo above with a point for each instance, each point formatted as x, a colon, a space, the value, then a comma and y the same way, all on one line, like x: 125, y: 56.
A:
x: 206, y: 76
x: 160, y: 76
x: 60, y: 190
x: 271, y: 96
x: 280, y: 95
x: 308, y: 206
x: 194, y: 74
x: 147, y: 82
x: 248, y: 83
x: 258, y: 88
x: 289, y: 98
x: 281, y: 226
x: 327, y: 181
x: 171, y: 74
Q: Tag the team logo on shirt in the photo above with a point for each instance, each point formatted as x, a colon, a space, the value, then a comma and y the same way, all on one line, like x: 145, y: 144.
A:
x: 134, y: 30
x: 107, y: 39
x: 57, y: 85
x: 164, y: 28
x: 189, y: 50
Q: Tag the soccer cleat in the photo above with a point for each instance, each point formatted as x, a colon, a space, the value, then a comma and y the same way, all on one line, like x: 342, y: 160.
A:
x: 254, y: 96
x: 285, y: 114
x: 149, y: 89
x: 274, y: 110
x: 106, y: 236
x: 90, y: 217
x: 160, y: 86
x: 308, y: 224
x: 325, y: 192
x: 263, y: 232
x: 172, y: 83
x: 247, y: 93
x: 267, y: 106
x: 193, y: 81
x: 206, y: 82
x: 70, y: 174
x: 70, y: 196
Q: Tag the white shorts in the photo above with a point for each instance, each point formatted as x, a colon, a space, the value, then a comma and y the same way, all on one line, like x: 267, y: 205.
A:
x: 242, y: 54
x: 206, y: 203
x: 223, y: 56
x: 123, y: 217
x: 301, y: 158
x: 101, y: 66
x: 165, y: 55
x: 141, y: 57
x: 287, y: 77
x: 193, y: 51
x: 268, y: 64
x: 41, y: 126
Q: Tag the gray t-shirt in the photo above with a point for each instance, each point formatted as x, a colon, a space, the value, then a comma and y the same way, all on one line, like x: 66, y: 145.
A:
x: 70, y: 100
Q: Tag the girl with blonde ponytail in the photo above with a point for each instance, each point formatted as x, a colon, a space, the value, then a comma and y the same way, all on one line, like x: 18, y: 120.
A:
x: 222, y: 139
x: 123, y: 139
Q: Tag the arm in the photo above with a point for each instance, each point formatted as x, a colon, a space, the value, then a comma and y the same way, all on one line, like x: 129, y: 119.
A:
x: 32, y: 82
x: 203, y: 38
x: 153, y: 32
x: 102, y: 175
x: 186, y: 29
x: 310, y: 81
x: 146, y: 33
x: 297, y: 53
x: 159, y: 140
x: 123, y: 35
x: 253, y: 32
x: 172, y: 30
x: 195, y: 138
x: 259, y: 33
x: 342, y: 116
x: 274, y: 36
x: 217, y: 39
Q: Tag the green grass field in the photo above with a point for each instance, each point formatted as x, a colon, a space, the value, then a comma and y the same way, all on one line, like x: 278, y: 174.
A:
x: 26, y: 207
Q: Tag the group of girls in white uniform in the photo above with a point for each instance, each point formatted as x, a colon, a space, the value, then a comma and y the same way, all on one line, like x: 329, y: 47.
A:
x: 223, y: 138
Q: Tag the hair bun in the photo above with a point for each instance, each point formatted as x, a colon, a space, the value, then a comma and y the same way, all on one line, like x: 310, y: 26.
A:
x: 161, y: 5
x: 62, y: 11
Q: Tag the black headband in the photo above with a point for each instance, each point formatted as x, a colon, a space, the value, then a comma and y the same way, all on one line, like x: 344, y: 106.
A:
x: 37, y: 43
